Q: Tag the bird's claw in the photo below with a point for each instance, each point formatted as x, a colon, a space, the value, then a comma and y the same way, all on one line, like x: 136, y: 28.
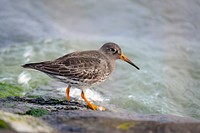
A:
x: 95, y: 108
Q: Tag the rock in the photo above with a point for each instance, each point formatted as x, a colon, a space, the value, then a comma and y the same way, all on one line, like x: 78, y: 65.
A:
x: 22, y: 105
x: 93, y: 121
x: 37, y: 112
x: 74, y: 116
x: 106, y: 124
x: 24, y: 123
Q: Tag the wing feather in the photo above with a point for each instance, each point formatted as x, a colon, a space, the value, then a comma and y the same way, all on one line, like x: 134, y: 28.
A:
x: 79, y: 68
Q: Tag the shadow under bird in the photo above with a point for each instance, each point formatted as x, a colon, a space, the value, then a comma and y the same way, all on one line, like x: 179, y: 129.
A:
x: 83, y: 68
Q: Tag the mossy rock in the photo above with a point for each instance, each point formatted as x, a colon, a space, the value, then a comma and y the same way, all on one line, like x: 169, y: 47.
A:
x: 37, y: 112
x: 23, y: 123
x: 126, y: 125
x: 4, y: 125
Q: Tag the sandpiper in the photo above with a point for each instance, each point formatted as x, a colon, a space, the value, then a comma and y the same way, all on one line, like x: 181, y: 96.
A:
x: 84, y: 68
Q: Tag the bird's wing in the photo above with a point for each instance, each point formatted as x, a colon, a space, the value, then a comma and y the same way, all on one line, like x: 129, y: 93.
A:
x: 76, y: 68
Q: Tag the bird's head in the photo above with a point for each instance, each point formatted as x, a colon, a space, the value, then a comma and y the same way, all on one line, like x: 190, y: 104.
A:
x: 114, y: 52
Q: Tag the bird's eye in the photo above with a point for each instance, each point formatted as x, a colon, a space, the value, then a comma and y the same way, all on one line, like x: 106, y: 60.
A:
x: 113, y: 50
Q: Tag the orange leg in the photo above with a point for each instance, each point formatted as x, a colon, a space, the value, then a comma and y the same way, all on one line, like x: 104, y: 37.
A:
x: 67, y: 92
x: 92, y: 106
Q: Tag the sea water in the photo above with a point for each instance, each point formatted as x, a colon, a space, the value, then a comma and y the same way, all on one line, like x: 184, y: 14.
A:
x: 162, y: 38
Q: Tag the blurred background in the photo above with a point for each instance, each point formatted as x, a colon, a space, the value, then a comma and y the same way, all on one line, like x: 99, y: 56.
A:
x: 160, y: 36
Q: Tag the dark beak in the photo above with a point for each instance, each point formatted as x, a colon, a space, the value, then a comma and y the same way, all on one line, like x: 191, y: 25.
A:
x: 124, y: 58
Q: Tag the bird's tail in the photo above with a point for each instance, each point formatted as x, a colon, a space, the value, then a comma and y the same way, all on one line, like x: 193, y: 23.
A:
x: 33, y: 65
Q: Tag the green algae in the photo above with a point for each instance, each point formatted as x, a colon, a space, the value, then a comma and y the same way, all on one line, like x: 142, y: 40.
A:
x: 37, y: 112
x: 22, y: 123
x: 4, y: 125
x: 7, y: 89
x: 126, y: 125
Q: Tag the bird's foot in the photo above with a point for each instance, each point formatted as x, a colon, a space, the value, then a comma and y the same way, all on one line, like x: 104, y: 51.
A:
x: 91, y: 105
x: 94, y: 107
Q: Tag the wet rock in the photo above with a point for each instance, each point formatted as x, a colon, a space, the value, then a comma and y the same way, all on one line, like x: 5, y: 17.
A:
x: 74, y: 116
x: 21, y: 105
x: 18, y: 123
x: 92, y: 121
x: 78, y: 121
x: 37, y: 112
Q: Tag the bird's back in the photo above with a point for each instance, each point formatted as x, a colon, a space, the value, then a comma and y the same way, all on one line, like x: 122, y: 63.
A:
x: 78, y: 68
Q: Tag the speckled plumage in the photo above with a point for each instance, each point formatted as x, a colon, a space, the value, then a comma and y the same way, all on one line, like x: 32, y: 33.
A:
x: 80, y: 69
x: 83, y: 69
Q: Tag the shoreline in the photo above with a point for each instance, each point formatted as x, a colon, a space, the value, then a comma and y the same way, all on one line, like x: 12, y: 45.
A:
x: 64, y: 116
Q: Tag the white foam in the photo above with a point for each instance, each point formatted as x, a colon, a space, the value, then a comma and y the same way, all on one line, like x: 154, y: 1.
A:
x: 90, y: 94
x: 24, y: 78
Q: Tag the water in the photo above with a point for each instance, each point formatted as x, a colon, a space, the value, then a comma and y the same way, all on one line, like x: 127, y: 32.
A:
x: 162, y: 38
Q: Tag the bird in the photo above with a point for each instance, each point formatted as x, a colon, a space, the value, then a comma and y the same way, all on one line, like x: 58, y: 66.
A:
x: 83, y: 69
